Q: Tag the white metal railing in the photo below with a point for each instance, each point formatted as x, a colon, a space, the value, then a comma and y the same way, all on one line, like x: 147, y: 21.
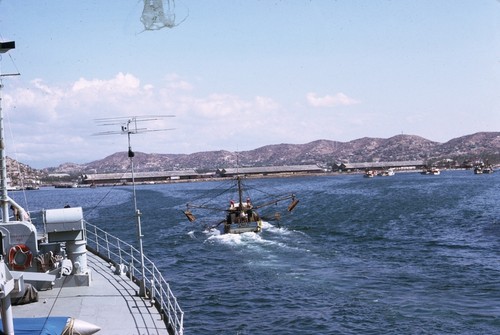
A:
x: 122, y: 254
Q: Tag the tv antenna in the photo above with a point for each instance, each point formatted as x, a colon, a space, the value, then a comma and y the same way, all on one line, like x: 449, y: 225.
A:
x: 128, y: 126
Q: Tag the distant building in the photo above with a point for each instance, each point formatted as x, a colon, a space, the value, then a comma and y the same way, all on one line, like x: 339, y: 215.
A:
x: 190, y: 174
x: 140, y: 177
x: 59, y: 175
x: 269, y: 170
x: 403, y: 165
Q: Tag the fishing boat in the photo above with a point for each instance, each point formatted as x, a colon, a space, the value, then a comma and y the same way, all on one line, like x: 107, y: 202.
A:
x: 74, y: 278
x: 241, y: 216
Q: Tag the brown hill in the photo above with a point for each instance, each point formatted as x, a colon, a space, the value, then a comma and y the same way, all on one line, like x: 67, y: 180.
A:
x: 484, y: 145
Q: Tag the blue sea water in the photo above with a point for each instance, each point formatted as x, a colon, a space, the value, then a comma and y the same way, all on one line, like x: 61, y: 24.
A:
x: 407, y: 254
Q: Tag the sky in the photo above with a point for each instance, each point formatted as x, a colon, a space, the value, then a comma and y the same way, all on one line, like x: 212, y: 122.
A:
x: 240, y: 74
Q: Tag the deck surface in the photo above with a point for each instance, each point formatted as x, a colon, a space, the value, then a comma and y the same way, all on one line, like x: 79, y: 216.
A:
x: 110, y: 302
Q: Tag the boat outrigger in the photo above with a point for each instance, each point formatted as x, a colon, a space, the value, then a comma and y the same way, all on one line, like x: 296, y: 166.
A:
x: 242, y: 216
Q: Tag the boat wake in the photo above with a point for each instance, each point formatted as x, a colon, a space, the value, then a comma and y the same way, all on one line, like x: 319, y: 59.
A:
x: 270, y: 240
x: 233, y: 239
x: 267, y: 227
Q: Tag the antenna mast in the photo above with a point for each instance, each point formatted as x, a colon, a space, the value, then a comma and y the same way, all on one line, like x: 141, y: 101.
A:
x: 129, y: 126
x: 5, y: 303
x: 4, y: 197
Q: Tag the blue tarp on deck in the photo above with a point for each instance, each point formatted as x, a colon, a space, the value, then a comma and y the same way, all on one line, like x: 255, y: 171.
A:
x: 39, y: 326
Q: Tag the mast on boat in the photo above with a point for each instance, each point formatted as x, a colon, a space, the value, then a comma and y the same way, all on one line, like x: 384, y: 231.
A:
x: 142, y: 286
x: 240, y: 193
x: 6, y: 307
x: 129, y: 126
x: 3, y: 158
x: 4, y: 196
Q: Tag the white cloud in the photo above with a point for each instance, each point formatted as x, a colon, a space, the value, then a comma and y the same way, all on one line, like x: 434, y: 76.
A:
x: 220, y: 105
x: 266, y: 103
x: 36, y: 103
x: 124, y: 83
x: 339, y: 99
x: 176, y: 82
x: 61, y: 119
x: 54, y: 124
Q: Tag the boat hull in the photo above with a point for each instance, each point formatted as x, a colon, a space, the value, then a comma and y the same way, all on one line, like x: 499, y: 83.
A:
x: 243, y: 227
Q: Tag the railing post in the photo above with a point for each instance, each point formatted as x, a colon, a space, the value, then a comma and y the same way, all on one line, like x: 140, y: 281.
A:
x: 132, y: 264
x: 119, y: 252
x: 152, y: 291
x: 107, y: 245
x: 96, y: 239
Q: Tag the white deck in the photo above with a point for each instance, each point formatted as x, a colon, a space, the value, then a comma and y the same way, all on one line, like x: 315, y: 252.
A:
x: 110, y: 302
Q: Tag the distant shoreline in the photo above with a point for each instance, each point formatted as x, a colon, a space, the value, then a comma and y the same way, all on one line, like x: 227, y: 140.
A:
x: 211, y: 179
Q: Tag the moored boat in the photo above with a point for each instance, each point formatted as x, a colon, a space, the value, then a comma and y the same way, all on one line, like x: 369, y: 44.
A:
x: 66, y: 185
x: 369, y: 174
x: 480, y: 167
x: 386, y: 173
x: 488, y: 169
x: 434, y: 171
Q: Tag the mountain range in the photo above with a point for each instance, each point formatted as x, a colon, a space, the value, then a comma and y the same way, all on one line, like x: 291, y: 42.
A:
x: 482, y: 145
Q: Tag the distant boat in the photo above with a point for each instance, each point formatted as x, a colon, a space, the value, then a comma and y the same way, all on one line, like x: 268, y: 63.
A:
x: 241, y: 216
x: 488, y: 169
x: 386, y: 173
x: 480, y: 167
x: 66, y: 185
x: 369, y: 174
x: 434, y: 171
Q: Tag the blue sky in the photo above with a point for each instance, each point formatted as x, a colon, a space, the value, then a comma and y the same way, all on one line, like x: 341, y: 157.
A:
x: 241, y: 74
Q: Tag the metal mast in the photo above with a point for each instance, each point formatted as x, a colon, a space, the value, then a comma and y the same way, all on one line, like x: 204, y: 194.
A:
x: 129, y: 126
x: 6, y: 308
x: 142, y: 286
x: 4, y: 197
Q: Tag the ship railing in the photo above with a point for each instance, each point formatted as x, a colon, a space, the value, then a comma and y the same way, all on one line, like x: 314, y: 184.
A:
x: 126, y: 259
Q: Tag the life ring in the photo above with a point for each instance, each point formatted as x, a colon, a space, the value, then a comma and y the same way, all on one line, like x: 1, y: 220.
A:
x: 20, y: 257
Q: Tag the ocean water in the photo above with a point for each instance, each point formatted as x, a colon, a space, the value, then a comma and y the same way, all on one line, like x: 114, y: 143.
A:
x: 407, y: 254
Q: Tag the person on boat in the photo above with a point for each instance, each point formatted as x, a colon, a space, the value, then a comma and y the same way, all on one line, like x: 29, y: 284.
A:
x: 249, y: 214
x: 249, y: 203
x: 252, y: 215
x: 231, y: 204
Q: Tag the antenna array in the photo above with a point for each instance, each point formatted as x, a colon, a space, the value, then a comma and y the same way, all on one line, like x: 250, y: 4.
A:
x: 128, y: 126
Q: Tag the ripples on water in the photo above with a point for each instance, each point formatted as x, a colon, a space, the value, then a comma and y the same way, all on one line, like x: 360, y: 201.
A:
x: 407, y: 254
